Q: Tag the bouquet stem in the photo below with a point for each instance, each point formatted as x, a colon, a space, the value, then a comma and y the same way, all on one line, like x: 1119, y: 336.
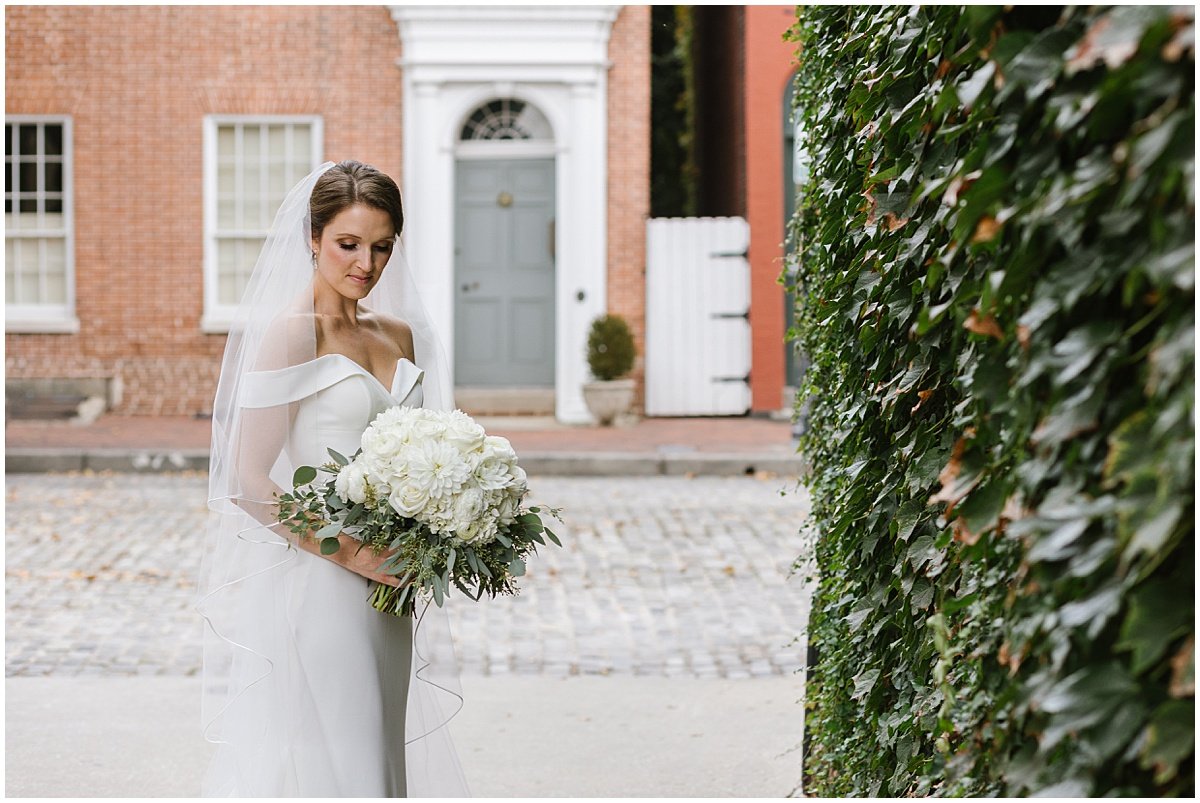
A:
x: 386, y: 599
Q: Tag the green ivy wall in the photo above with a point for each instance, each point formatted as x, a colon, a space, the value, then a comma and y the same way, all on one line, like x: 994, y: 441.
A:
x: 996, y: 293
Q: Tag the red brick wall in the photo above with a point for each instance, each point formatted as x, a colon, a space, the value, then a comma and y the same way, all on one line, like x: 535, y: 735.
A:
x: 769, y: 63
x: 137, y: 82
x: 629, y: 174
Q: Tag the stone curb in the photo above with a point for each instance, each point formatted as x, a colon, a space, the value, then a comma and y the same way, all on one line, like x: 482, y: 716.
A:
x: 578, y: 464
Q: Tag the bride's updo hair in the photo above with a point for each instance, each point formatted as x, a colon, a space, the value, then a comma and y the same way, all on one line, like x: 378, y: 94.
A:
x: 348, y: 183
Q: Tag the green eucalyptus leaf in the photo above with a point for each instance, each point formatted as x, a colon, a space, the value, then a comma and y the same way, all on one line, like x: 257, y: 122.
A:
x: 304, y: 475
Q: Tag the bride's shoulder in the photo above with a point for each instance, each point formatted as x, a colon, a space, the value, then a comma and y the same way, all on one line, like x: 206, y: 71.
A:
x: 396, y: 330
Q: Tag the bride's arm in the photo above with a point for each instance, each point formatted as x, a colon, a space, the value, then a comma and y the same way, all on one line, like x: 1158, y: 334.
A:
x: 254, y: 466
x: 262, y: 436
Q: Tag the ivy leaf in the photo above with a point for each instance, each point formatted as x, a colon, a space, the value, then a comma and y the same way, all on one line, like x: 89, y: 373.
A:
x: 981, y: 509
x: 1170, y: 738
x: 1094, y: 611
x: 1156, y: 618
x: 863, y: 683
x: 921, y: 551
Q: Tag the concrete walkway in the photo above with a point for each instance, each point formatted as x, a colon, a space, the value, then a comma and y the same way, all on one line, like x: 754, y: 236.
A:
x: 582, y: 736
x: 727, y: 446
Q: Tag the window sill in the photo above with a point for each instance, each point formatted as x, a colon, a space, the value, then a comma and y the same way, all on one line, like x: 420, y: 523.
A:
x: 55, y: 326
x: 214, y: 325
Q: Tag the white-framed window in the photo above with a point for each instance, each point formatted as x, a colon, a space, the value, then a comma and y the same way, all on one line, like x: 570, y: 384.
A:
x: 250, y: 162
x: 39, y: 227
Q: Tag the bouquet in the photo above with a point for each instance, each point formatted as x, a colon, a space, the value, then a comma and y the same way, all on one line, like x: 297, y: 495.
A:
x: 436, y: 489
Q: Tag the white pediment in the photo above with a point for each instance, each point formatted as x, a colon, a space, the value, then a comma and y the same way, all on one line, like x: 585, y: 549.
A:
x: 462, y: 36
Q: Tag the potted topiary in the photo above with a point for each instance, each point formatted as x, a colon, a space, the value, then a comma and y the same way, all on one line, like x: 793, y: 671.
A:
x: 610, y: 353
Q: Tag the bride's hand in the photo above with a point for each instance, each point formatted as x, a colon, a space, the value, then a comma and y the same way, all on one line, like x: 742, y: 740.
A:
x: 365, y: 561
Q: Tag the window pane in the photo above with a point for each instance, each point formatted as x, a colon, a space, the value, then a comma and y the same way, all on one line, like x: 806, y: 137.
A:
x: 27, y: 277
x: 235, y: 261
x: 28, y: 177
x: 8, y: 177
x: 28, y: 140
x: 250, y: 181
x: 277, y: 180
x: 251, y: 148
x: 302, y: 142
x: 54, y: 139
x: 27, y: 206
x: 225, y: 212
x: 10, y: 271
x: 225, y: 142
x: 276, y: 142
x: 225, y: 182
x: 54, y: 177
x: 8, y: 140
x: 54, y: 208
x: 56, y: 272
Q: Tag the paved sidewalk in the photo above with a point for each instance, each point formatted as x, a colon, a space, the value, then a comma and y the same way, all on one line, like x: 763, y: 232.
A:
x: 516, y: 737
x: 673, y: 446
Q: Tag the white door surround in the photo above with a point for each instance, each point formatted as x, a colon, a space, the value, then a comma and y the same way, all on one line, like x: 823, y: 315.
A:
x: 556, y: 58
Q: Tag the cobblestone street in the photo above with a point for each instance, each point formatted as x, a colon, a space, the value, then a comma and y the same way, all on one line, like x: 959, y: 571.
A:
x: 666, y: 576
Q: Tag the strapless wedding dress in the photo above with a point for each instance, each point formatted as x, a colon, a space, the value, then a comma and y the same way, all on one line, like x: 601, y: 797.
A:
x: 331, y: 718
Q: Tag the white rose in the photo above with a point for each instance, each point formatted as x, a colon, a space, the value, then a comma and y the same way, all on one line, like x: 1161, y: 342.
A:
x: 351, y: 482
x: 499, y: 448
x: 409, y: 500
x: 492, y: 474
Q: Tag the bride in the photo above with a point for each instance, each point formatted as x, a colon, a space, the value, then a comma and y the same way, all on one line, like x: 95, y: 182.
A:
x: 308, y: 691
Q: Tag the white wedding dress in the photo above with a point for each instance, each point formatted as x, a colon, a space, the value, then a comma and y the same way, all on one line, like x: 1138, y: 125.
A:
x: 330, y: 720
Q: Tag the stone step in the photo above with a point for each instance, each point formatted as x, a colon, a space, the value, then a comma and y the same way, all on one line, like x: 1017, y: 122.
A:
x: 505, y: 401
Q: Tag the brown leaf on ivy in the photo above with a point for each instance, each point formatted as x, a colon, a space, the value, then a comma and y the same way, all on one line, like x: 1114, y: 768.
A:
x: 1184, y: 40
x: 872, y: 205
x: 959, y: 185
x: 1008, y: 659
x: 983, y: 325
x: 1103, y: 43
x: 942, y: 69
x: 892, y: 222
x: 1012, y: 511
x: 1183, y: 670
x: 1023, y: 336
x: 986, y: 230
x: 952, y: 490
x: 923, y: 396
x: 963, y: 534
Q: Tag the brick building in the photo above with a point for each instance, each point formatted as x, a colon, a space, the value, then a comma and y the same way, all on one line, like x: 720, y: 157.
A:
x: 147, y: 147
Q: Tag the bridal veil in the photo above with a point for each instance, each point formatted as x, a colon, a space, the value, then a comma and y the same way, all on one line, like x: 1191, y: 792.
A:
x: 252, y: 700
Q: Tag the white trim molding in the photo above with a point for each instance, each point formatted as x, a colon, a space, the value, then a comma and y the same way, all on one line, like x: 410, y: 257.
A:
x: 555, y: 57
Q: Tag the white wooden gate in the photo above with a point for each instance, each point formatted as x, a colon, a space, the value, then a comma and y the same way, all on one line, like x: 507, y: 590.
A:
x: 697, y: 316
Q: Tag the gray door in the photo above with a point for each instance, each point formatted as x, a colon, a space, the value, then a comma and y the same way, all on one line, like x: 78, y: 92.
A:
x: 504, y: 273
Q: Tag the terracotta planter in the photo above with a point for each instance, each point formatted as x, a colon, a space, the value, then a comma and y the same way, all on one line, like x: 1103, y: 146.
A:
x: 607, y: 400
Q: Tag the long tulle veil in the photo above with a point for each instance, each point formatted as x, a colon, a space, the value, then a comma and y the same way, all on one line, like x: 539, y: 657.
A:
x: 250, y: 664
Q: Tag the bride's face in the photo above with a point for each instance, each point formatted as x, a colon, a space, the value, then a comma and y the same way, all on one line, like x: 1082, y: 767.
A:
x: 354, y: 248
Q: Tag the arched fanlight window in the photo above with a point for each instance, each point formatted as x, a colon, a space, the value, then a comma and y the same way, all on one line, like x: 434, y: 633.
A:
x: 506, y: 118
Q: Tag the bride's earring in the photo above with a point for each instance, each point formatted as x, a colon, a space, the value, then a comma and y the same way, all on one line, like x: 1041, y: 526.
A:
x: 314, y: 260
